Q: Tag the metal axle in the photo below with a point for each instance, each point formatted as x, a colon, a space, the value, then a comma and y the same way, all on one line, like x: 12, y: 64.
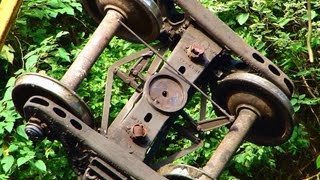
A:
x: 230, y: 143
x: 90, y: 53
x: 85, y: 60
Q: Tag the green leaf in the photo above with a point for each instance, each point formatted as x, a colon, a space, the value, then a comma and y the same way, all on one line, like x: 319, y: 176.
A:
x: 313, y: 15
x: 7, y: 162
x: 242, y: 18
x: 7, y: 53
x: 23, y: 160
x: 318, y: 162
x: 9, y: 126
x: 62, y: 53
x: 7, y: 94
x: 41, y: 165
x: 31, y: 61
x: 21, y: 132
x: 13, y: 147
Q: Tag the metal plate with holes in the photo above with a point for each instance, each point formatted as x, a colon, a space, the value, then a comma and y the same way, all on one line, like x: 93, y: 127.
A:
x: 28, y: 85
x: 275, y: 123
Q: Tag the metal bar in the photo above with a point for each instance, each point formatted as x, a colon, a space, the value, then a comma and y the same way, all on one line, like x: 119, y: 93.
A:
x: 8, y: 13
x: 108, y: 88
x: 176, y: 71
x: 90, y: 53
x: 106, y: 149
x: 222, y: 33
x: 230, y: 143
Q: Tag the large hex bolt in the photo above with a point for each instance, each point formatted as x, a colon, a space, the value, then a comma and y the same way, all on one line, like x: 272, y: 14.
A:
x: 84, y: 61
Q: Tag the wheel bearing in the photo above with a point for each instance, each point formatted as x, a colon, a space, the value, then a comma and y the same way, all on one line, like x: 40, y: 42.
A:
x: 242, y: 90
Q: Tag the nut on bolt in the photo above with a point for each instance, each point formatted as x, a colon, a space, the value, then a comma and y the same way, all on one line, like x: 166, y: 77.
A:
x: 138, y: 131
x: 34, y: 129
x: 195, y: 52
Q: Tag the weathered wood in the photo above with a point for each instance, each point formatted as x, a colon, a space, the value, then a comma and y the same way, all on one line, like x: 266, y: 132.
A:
x: 8, y: 11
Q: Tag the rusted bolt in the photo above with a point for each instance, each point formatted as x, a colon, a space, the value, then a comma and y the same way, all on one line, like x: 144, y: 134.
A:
x: 195, y: 52
x: 35, y: 129
x: 138, y: 131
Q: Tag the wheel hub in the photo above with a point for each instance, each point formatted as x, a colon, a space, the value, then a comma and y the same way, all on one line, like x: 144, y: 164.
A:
x: 244, y: 90
x: 29, y: 85
x: 142, y: 16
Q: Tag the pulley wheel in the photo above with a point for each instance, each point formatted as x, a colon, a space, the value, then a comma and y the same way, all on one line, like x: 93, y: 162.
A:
x: 32, y: 84
x: 165, y: 93
x: 142, y: 16
x: 244, y: 90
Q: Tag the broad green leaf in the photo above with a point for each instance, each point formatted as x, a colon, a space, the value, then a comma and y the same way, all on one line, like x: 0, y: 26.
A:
x: 31, y: 61
x: 9, y: 126
x: 242, y: 18
x: 62, y: 33
x: 41, y: 165
x: 13, y: 147
x: 313, y: 15
x: 7, y: 94
x: 7, y: 163
x: 294, y: 101
x: 7, y: 53
x: 21, y: 132
x: 318, y: 162
x: 62, y: 53
x: 23, y: 160
x: 10, y: 82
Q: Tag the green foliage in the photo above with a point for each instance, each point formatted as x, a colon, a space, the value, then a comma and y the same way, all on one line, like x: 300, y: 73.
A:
x: 50, y: 33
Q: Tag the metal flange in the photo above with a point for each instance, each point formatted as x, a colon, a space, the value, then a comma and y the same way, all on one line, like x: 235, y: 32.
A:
x: 165, y: 93
x: 32, y: 84
x: 142, y: 16
x: 275, y: 113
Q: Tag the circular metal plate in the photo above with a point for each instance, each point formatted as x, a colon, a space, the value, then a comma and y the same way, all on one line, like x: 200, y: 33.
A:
x: 142, y: 16
x: 275, y: 123
x: 28, y: 85
x: 165, y: 93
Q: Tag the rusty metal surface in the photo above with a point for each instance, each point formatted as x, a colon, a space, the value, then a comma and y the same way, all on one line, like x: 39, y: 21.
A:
x: 64, y: 125
x: 28, y: 85
x: 275, y: 123
x: 230, y: 143
x: 229, y: 39
x: 200, y: 44
x: 90, y: 53
x: 143, y: 16
x: 150, y: 117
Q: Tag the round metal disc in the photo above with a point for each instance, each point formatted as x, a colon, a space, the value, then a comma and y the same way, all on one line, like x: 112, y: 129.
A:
x: 241, y: 90
x: 165, y: 93
x: 142, y: 16
x: 28, y: 85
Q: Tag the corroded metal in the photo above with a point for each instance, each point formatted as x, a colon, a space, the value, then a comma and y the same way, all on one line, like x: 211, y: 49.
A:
x: 143, y: 16
x: 275, y: 123
x: 28, y: 85
x: 226, y: 37
x: 127, y: 147
x: 90, y: 53
x: 230, y: 143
